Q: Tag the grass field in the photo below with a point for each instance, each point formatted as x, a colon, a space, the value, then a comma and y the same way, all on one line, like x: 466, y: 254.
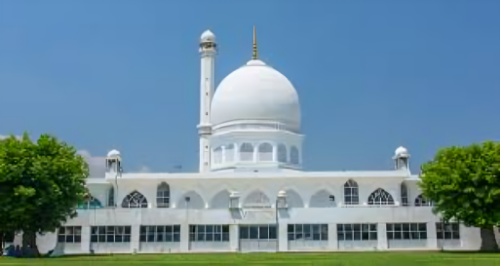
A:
x: 330, y: 259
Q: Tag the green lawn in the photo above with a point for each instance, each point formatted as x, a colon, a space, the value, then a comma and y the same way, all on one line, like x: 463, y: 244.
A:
x: 330, y: 259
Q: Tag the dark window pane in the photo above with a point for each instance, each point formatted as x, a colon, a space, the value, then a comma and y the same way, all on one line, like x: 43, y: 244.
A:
x: 447, y: 235
x: 225, y: 229
x: 348, y: 236
x: 423, y: 235
x: 161, y: 229
x: 118, y: 238
x: 373, y: 236
x: 290, y: 228
x: 263, y: 232
x: 456, y: 235
x: 307, y: 228
x: 365, y: 236
x: 373, y: 227
x: 340, y: 227
x: 272, y: 232
x: 316, y: 237
x: 298, y: 228
x: 177, y: 228
x: 102, y: 238
x: 324, y: 236
x: 200, y: 228
x: 389, y: 227
x: 397, y: 227
x: 439, y: 235
x: 397, y: 235
x: 254, y: 232
x: 143, y: 238
x: 200, y: 237
x: 126, y: 238
x: 422, y: 227
x: 110, y: 238
x: 93, y: 239
x: 61, y: 238
x: 225, y: 236
x: 347, y: 227
x: 143, y: 229
x: 357, y: 235
x: 291, y: 237
x: 414, y: 235
x: 159, y: 237
x: 357, y: 227
x: 127, y: 230
x: 454, y: 227
x: 217, y: 236
x: 406, y: 235
x: 192, y: 237
x: 406, y: 227
x: 102, y: 230
x: 69, y: 239
x: 414, y: 227
x: 62, y: 230
x: 209, y: 229
x: 168, y: 237
x: 177, y: 237
x: 244, y: 232
x: 209, y: 237
x: 390, y: 235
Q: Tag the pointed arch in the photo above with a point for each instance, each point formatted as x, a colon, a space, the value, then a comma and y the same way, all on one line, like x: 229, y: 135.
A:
x: 163, y: 195
x: 351, y: 193
x: 246, y: 152
x: 293, y: 199
x: 194, y: 201
x: 380, y: 197
x: 294, y: 155
x: 218, y: 155
x: 135, y: 200
x: 421, y: 201
x: 257, y: 199
x: 404, y: 195
x: 322, y: 199
x: 220, y: 200
x: 265, y: 152
x: 229, y: 153
x: 91, y: 203
x: 282, y: 154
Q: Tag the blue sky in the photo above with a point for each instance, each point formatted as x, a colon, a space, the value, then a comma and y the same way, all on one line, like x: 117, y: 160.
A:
x: 371, y: 75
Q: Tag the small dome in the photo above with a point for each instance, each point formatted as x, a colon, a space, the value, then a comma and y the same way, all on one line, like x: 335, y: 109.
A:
x: 207, y: 36
x: 256, y: 92
x: 401, y: 150
x: 113, y: 153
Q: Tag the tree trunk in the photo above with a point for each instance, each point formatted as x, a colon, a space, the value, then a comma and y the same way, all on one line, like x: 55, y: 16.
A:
x: 488, y: 241
x: 29, y: 238
x: 1, y: 243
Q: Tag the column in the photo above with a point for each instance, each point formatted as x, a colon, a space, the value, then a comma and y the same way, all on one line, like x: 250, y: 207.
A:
x: 275, y: 152
x: 135, y: 242
x: 234, y: 237
x: 382, y: 236
x: 282, y: 237
x: 432, y: 235
x: 333, y: 242
x: 184, y: 237
x: 85, y: 237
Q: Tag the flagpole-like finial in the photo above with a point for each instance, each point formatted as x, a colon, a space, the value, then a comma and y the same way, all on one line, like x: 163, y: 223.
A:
x: 255, y: 54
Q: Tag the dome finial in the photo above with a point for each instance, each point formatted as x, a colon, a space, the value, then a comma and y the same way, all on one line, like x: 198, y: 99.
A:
x: 255, y: 54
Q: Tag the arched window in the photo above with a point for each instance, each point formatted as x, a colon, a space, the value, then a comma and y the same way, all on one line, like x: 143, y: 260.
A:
x: 294, y: 155
x: 351, y: 196
x: 218, y: 155
x: 230, y: 153
x: 404, y: 195
x: 265, y: 152
x: 134, y: 200
x: 282, y: 153
x: 163, y: 196
x: 91, y: 203
x: 246, y: 152
x: 380, y: 197
x: 421, y: 201
x: 111, y: 197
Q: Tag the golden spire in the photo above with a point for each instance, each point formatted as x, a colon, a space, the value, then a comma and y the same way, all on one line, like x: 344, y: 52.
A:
x: 255, y: 54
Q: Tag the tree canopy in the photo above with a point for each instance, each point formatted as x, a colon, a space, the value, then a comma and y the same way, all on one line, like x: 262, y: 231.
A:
x: 464, y: 184
x: 41, y: 184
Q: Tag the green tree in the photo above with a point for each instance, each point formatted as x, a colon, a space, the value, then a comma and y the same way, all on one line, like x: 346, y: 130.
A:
x: 464, y: 184
x: 41, y: 184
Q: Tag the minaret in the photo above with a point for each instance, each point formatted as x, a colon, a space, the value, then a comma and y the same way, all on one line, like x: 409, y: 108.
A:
x: 208, y: 51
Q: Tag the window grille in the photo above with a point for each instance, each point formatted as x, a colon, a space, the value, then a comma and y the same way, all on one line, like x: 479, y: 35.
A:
x: 349, y: 232
x: 161, y: 233
x: 351, y: 196
x: 380, y: 197
x: 69, y: 234
x: 134, y: 200
x: 412, y: 231
x: 110, y: 234
x: 315, y: 232
x: 209, y: 233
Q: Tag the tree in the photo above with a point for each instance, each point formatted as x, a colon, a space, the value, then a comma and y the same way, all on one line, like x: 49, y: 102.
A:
x: 41, y: 184
x: 464, y: 184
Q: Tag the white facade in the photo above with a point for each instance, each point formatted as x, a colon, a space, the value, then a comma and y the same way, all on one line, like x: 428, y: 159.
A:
x: 250, y: 194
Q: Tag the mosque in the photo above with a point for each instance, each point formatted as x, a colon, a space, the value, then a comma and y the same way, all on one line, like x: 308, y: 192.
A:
x: 250, y: 194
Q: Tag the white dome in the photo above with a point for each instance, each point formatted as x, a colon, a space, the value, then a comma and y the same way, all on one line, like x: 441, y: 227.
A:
x: 207, y: 36
x: 113, y: 153
x: 401, y: 150
x: 256, y: 92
